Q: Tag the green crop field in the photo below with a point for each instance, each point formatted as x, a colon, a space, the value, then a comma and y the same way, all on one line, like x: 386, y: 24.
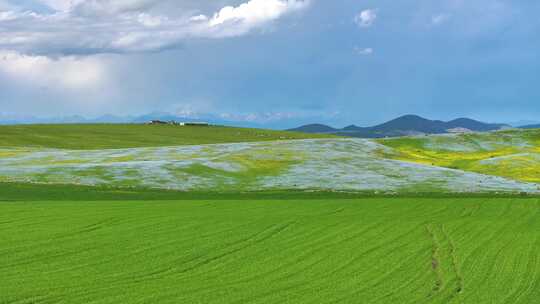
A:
x: 164, y: 214
x: 115, y: 136
x: 372, y: 250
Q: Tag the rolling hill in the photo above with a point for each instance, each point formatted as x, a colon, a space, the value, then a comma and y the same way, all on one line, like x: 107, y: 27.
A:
x: 116, y: 136
x: 315, y: 128
x: 499, y: 162
x: 513, y: 154
x: 405, y: 125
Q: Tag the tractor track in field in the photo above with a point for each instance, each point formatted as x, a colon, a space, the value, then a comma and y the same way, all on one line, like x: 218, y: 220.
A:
x: 444, y: 263
x: 455, y: 263
x: 399, y: 250
x: 435, y: 262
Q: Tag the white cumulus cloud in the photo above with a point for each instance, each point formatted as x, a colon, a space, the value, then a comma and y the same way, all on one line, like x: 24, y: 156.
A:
x: 120, y: 26
x: 366, y: 18
x: 256, y: 11
x: 62, y: 73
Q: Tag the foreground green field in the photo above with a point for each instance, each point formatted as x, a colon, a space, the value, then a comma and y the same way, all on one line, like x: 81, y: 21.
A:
x: 403, y: 250
x: 117, y: 136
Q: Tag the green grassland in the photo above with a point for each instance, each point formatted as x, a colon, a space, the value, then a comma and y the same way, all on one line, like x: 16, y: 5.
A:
x: 326, y: 250
x: 24, y: 192
x: 27, y: 192
x: 115, y: 136
x: 329, y: 164
x: 513, y: 154
x: 268, y: 219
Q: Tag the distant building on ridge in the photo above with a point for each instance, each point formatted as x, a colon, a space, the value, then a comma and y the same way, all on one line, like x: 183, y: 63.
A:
x: 197, y: 124
x: 176, y: 123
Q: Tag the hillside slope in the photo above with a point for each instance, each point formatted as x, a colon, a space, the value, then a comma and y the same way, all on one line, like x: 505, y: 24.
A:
x: 513, y: 154
x: 313, y: 164
x: 115, y: 136
x: 315, y: 128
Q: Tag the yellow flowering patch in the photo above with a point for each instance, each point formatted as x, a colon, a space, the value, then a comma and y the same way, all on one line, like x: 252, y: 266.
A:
x: 511, y: 154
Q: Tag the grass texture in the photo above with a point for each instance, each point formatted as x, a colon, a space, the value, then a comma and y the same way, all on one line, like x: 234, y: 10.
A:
x: 311, y: 164
x: 513, y: 154
x: 116, y: 136
x: 401, y: 250
x: 235, y: 159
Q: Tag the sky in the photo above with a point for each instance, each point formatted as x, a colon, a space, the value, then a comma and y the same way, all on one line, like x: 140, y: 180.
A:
x: 271, y: 62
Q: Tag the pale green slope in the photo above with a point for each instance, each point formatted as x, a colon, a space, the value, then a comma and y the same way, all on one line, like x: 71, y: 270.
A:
x: 317, y: 164
x: 116, y: 136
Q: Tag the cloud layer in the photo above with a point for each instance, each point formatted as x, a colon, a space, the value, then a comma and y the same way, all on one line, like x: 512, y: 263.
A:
x: 122, y: 26
x: 65, y: 72
x: 369, y: 62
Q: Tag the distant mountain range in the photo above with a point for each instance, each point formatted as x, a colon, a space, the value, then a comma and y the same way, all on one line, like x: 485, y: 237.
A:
x: 535, y: 126
x: 522, y: 123
x: 402, y: 126
x: 406, y: 125
x: 241, y: 120
x: 213, y: 119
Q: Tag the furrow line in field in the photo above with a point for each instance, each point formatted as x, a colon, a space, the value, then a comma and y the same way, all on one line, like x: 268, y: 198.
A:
x: 358, y: 256
x: 533, y: 276
x: 485, y: 261
x: 240, y: 245
x: 289, y: 266
x: 355, y: 294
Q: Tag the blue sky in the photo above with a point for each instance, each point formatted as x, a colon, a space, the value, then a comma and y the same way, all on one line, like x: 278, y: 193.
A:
x: 274, y: 62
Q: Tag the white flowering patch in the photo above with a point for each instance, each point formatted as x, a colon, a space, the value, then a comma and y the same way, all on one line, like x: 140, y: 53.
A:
x: 326, y: 164
x: 474, y: 142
